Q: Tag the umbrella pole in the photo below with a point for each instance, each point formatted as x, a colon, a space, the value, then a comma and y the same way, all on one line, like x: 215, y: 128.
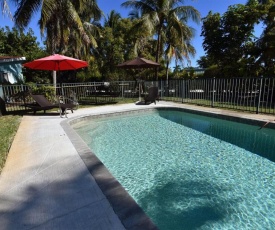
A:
x: 54, y: 82
x: 139, y: 88
x: 139, y: 92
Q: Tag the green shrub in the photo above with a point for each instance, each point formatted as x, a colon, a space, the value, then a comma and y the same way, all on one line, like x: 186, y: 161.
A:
x: 47, y: 91
x: 211, y: 72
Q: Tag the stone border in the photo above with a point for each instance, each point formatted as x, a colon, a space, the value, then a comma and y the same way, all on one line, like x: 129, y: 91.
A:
x: 225, y: 116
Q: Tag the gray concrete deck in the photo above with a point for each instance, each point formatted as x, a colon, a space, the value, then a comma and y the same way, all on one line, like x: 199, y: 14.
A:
x: 49, y: 182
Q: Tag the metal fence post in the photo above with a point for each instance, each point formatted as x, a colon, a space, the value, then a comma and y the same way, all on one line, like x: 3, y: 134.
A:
x: 62, y: 90
x: 213, y: 93
x: 161, y: 87
x: 182, y: 91
x: 260, y: 95
x: 2, y: 102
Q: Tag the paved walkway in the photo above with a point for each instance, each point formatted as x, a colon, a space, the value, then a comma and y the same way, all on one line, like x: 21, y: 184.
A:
x: 45, y: 183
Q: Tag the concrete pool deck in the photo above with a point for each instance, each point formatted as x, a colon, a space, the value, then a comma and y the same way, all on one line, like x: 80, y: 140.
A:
x: 49, y: 183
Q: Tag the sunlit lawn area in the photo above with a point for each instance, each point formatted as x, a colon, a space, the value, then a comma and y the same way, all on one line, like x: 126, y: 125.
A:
x: 249, y: 107
x: 84, y: 101
x: 8, y: 128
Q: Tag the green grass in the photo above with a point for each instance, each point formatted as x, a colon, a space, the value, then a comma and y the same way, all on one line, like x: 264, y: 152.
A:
x: 8, y: 128
x: 117, y: 101
x: 126, y: 100
x: 224, y: 105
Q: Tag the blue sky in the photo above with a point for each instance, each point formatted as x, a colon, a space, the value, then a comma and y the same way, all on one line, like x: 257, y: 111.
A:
x: 203, y: 6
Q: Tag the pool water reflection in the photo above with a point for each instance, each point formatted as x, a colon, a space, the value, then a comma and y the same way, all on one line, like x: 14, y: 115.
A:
x: 188, y: 179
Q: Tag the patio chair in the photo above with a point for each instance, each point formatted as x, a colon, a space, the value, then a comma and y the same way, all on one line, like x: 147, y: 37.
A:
x: 152, y: 95
x: 42, y: 103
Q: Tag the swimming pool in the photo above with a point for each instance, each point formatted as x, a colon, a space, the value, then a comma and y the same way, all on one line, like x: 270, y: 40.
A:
x: 183, y: 177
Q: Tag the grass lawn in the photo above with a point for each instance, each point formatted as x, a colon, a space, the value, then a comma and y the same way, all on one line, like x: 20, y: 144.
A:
x: 8, y: 128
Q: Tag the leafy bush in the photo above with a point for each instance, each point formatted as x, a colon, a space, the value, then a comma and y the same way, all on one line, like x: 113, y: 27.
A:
x: 47, y: 91
x: 211, y: 72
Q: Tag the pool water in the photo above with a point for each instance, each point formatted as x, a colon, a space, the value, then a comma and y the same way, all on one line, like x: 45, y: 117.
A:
x: 183, y: 177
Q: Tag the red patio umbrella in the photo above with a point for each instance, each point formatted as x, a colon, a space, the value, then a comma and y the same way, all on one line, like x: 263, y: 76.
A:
x: 56, y: 62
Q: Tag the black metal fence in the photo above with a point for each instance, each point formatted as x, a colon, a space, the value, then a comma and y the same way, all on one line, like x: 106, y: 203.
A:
x: 245, y: 94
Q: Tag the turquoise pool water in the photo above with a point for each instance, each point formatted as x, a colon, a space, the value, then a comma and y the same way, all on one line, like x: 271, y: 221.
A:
x: 185, y: 170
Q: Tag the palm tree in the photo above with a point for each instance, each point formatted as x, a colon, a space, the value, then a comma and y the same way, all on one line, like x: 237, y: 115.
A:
x: 5, y: 8
x: 158, y: 15
x: 112, y: 19
x: 90, y: 17
x: 179, y: 52
x: 59, y: 19
x: 178, y: 42
x: 64, y: 35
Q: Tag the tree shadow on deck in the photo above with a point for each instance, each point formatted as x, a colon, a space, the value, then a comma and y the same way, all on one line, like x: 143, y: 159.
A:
x: 54, y: 198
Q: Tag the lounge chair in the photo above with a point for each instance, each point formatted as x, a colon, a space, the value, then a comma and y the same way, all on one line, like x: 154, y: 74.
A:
x: 152, y: 95
x: 42, y: 103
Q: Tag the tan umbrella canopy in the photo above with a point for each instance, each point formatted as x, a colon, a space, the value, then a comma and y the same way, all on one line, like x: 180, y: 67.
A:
x: 138, y: 63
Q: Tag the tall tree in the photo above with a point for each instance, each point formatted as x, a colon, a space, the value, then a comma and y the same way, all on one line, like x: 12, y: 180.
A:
x: 113, y: 46
x: 229, y: 39
x: 112, y: 20
x: 156, y: 15
x: 58, y: 19
x: 90, y: 17
x: 5, y: 8
x: 265, y: 57
x: 178, y: 44
x: 16, y: 42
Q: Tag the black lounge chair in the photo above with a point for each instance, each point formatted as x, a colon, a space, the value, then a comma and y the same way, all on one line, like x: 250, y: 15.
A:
x: 42, y: 103
x: 152, y: 96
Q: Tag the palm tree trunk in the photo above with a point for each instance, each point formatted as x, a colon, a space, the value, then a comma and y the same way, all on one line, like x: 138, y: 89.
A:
x: 167, y: 80
x: 157, y: 52
x: 158, y: 46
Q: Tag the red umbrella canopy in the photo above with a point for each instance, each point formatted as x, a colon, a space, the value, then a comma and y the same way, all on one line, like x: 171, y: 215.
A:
x: 138, y: 63
x: 56, y: 62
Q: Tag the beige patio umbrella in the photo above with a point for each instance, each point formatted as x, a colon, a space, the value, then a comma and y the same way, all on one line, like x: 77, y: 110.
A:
x: 139, y: 63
